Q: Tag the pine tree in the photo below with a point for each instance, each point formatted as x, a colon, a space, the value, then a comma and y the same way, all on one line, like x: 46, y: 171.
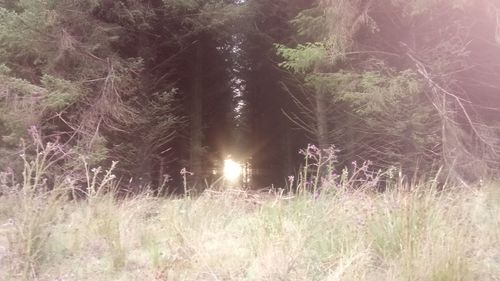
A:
x: 382, y: 78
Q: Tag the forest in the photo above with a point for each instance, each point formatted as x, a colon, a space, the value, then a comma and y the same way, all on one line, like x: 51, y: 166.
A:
x: 163, y: 85
x: 371, y: 105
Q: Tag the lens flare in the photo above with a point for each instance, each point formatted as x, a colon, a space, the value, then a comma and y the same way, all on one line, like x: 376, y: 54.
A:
x: 232, y: 170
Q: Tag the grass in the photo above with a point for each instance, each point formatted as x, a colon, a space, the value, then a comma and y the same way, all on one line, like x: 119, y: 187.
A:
x: 396, y: 235
x: 338, y: 234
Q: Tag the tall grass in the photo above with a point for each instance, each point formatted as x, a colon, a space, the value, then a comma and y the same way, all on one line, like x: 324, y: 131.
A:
x: 397, y: 235
x: 342, y: 233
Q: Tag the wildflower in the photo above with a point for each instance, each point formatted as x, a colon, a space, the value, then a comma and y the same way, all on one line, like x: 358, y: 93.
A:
x: 312, y: 148
x: 184, y: 172
x: 167, y: 178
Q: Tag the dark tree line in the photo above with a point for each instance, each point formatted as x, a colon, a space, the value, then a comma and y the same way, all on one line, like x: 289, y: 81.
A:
x: 162, y: 85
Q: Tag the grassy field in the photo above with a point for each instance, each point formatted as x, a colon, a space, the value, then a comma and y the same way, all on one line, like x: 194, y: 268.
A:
x: 233, y: 235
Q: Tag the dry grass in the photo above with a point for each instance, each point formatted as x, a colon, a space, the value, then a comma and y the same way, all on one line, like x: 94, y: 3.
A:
x: 422, y: 235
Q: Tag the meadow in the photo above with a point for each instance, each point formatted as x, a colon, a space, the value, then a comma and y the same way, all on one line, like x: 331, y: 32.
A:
x: 343, y: 234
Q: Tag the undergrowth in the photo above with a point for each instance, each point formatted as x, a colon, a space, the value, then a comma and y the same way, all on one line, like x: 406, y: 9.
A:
x: 416, y: 232
x: 397, y: 235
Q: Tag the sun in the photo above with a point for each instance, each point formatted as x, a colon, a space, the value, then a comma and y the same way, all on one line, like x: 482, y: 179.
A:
x: 232, y: 170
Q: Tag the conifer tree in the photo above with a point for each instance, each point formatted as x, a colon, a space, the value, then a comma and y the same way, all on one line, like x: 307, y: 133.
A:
x: 384, y: 81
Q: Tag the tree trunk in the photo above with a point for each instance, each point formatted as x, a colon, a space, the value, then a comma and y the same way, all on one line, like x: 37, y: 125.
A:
x: 321, y: 119
x: 196, y: 117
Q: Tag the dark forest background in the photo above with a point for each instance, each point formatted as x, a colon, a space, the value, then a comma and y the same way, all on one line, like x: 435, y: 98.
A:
x: 162, y: 85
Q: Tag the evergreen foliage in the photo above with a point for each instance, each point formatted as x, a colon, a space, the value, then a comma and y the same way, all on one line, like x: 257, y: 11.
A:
x: 392, y: 76
x: 164, y: 84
